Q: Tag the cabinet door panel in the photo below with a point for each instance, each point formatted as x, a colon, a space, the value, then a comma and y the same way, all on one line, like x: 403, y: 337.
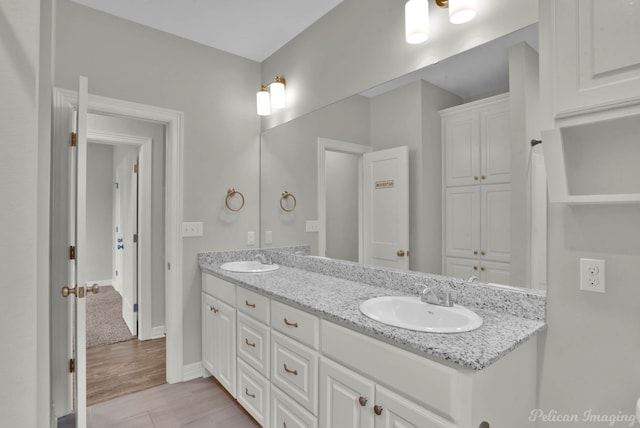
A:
x: 398, y: 412
x: 209, y: 334
x: 226, y: 347
x: 495, y: 144
x: 496, y: 273
x: 253, y: 393
x: 463, y: 221
x: 253, y: 343
x: 346, y: 398
x: 496, y: 222
x: 594, y: 54
x: 287, y: 413
x: 462, y: 149
x: 462, y: 268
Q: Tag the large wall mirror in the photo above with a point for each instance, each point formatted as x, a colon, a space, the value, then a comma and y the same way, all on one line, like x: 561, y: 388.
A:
x: 320, y: 162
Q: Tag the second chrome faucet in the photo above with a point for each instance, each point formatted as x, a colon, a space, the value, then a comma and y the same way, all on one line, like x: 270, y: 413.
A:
x: 430, y: 295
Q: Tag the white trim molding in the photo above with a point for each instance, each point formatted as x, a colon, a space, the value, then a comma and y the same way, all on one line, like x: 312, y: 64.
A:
x: 174, y: 139
x: 157, y: 332
x: 192, y: 371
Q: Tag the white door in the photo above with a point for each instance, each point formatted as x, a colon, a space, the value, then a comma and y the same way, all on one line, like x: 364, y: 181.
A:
x: 130, y: 251
x: 119, y: 243
x: 76, y: 289
x: 462, y: 221
x: 386, y: 208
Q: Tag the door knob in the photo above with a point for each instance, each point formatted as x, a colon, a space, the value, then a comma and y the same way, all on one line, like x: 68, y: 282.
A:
x: 95, y: 288
x: 76, y: 291
x: 377, y: 410
x: 400, y: 253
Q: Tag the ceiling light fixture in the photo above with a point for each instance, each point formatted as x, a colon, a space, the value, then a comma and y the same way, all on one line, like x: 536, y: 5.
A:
x: 271, y: 96
x: 416, y: 15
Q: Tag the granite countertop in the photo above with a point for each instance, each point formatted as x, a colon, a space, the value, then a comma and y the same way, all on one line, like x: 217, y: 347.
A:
x: 337, y: 300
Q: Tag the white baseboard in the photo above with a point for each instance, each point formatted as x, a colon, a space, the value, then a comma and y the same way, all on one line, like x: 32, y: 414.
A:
x: 192, y: 371
x: 158, y: 332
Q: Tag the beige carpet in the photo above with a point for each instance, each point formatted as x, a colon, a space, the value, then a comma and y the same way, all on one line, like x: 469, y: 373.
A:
x: 104, y: 318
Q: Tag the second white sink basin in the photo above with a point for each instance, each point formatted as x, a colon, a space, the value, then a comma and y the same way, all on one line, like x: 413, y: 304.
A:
x: 413, y: 314
x: 249, y: 266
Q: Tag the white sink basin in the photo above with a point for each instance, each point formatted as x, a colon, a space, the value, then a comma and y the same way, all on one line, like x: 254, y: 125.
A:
x: 413, y: 314
x: 248, y: 266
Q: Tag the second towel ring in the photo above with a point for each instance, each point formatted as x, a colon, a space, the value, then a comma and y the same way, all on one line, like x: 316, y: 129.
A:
x: 230, y: 194
x: 286, y: 195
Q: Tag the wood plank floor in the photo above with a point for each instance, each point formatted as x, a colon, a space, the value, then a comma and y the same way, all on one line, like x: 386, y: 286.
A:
x: 197, y: 403
x: 125, y: 367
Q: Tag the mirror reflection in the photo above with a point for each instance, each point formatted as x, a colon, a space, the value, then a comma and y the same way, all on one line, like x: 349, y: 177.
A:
x: 431, y: 172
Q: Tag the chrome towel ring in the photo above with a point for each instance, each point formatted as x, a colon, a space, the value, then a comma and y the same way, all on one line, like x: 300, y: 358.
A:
x: 286, y: 195
x: 230, y: 194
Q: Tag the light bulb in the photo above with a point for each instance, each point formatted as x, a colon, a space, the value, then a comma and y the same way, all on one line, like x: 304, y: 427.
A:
x: 416, y: 15
x: 461, y: 11
x: 278, y: 95
x: 263, y: 102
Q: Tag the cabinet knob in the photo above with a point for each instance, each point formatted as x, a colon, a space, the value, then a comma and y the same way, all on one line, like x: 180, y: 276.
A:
x: 484, y: 424
x: 482, y: 177
x: 482, y: 269
x: 377, y: 410
x: 363, y: 401
x: 475, y: 268
x: 475, y: 177
x: 482, y: 253
x: 400, y: 253
x: 475, y: 253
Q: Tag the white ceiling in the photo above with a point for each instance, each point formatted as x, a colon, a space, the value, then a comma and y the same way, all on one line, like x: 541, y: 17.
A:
x: 252, y: 29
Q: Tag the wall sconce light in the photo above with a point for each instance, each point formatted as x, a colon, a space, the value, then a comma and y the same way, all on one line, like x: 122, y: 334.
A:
x: 271, y: 96
x: 416, y: 15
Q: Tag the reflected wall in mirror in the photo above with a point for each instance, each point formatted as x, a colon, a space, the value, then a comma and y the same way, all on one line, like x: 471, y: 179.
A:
x: 318, y: 157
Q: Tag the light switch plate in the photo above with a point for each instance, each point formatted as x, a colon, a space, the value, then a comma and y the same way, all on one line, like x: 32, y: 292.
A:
x: 313, y: 226
x: 251, y: 238
x: 268, y: 237
x: 193, y: 228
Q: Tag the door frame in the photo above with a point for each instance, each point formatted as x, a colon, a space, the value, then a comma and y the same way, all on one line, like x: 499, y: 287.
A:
x: 63, y: 100
x: 144, y: 145
x: 324, y: 145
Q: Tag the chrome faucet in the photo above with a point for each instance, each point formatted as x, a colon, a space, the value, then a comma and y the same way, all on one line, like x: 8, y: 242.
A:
x: 264, y: 259
x: 473, y: 279
x: 429, y: 295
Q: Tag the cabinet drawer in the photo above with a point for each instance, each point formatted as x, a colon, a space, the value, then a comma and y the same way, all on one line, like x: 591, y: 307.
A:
x: 426, y: 382
x: 253, y: 304
x: 253, y: 343
x: 294, y: 369
x: 219, y: 288
x: 287, y: 413
x: 253, y: 392
x: 295, y: 323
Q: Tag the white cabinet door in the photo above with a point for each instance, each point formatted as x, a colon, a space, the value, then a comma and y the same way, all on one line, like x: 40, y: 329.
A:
x: 495, y: 239
x: 209, y: 335
x: 589, y: 51
x: 462, y: 222
x: 396, y: 411
x: 346, y: 398
x: 226, y: 342
x: 462, y: 268
x: 495, y: 272
x: 219, y: 341
x: 495, y: 144
x: 462, y: 149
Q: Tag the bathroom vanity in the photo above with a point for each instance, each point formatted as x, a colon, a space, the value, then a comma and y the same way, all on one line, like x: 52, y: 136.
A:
x: 292, y: 346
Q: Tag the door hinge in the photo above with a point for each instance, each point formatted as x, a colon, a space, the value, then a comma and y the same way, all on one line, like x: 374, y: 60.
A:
x: 135, y: 238
x: 135, y: 307
x: 135, y: 168
x: 72, y: 365
x: 74, y: 139
x: 72, y: 252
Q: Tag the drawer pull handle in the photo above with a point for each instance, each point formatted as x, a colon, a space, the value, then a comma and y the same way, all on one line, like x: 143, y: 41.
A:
x: 246, y: 391
x: 293, y: 372
x: 249, y: 343
x: 213, y: 309
x: 292, y: 324
x: 363, y: 401
x: 251, y: 305
x: 377, y: 410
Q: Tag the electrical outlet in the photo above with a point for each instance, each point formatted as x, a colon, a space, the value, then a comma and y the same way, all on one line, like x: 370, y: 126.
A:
x: 251, y: 238
x: 193, y: 228
x: 592, y: 275
x: 268, y: 237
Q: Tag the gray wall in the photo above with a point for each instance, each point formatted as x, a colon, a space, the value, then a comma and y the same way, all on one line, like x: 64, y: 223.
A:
x: 99, y: 212
x: 20, y: 326
x: 127, y: 61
